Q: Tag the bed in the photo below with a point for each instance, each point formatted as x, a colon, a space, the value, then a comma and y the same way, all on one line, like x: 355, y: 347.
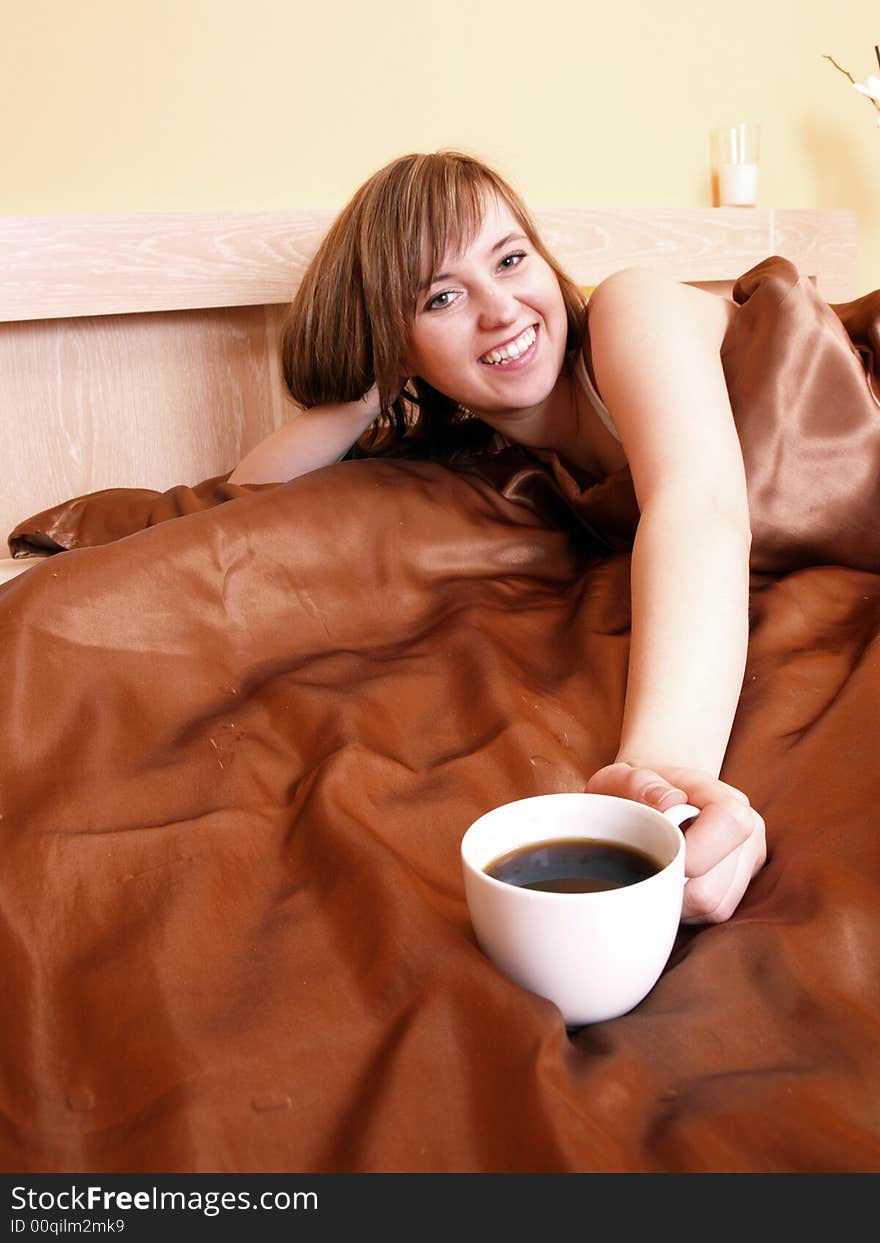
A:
x: 244, y: 730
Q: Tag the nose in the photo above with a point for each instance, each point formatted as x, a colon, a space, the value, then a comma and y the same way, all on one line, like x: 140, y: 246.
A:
x: 497, y: 307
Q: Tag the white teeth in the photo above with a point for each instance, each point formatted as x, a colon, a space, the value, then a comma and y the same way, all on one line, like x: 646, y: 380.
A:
x: 508, y: 353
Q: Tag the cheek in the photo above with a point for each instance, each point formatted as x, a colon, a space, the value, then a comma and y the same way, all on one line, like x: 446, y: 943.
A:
x: 418, y: 351
x: 549, y: 290
x: 432, y: 354
x: 558, y: 316
x: 555, y: 299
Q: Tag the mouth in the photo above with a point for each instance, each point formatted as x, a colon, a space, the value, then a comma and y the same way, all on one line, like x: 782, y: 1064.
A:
x: 515, y: 353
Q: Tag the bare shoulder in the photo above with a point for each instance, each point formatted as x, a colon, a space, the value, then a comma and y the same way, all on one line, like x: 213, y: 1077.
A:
x: 640, y: 295
x: 656, y: 352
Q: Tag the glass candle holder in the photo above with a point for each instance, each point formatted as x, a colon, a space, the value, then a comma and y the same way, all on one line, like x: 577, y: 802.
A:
x: 735, y: 151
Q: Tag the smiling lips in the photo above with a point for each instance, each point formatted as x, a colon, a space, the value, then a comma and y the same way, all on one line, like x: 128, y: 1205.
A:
x: 512, y: 351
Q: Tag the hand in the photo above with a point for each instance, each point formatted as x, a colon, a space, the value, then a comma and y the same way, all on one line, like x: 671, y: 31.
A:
x: 371, y: 398
x: 725, y: 845
x: 370, y: 401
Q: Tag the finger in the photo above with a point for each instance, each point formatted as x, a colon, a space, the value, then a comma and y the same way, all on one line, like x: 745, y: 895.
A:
x: 642, y: 785
x: 713, y: 898
x: 719, y: 830
x: 703, y: 789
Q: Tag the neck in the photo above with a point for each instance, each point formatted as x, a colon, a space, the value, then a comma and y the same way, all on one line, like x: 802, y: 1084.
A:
x: 564, y: 419
x: 556, y: 423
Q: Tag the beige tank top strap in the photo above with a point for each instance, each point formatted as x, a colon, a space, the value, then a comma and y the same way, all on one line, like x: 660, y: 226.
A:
x: 583, y: 377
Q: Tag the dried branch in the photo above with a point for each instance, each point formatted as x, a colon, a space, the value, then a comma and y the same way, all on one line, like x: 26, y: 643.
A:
x: 847, y: 74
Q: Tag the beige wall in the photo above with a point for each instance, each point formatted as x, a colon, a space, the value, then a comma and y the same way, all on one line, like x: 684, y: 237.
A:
x: 129, y: 105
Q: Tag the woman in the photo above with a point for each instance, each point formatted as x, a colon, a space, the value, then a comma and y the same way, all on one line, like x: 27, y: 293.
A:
x: 434, y: 277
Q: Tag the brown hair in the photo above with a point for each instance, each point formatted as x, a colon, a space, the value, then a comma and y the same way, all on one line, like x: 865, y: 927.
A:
x: 348, y: 324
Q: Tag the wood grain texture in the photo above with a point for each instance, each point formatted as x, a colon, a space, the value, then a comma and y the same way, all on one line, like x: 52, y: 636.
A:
x: 53, y: 266
x: 134, y: 401
x: 9, y: 568
x: 823, y: 244
x: 63, y: 266
x: 706, y: 245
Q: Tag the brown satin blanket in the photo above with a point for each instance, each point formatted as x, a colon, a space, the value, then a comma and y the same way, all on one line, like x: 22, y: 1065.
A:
x: 240, y: 748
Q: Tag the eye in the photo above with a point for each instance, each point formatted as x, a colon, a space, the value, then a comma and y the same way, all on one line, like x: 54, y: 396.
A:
x: 512, y: 260
x: 441, y: 300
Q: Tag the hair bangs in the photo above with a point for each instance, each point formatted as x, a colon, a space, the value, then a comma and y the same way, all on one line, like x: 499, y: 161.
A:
x: 453, y: 204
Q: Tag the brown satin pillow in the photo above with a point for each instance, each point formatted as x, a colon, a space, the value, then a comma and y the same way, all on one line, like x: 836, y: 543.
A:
x: 808, y: 419
x: 108, y: 515
x: 799, y: 375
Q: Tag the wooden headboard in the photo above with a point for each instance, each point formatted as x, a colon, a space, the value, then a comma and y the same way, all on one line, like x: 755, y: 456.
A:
x: 140, y: 351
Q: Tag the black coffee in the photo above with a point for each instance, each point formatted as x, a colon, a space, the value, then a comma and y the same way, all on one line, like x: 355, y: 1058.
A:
x: 573, y: 865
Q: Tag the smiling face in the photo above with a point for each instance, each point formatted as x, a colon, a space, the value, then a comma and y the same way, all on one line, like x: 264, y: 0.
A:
x: 490, y: 328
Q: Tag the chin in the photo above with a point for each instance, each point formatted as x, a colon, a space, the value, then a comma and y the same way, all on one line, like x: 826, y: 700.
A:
x: 524, y: 394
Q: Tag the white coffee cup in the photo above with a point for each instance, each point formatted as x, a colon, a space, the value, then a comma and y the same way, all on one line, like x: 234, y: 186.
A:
x: 595, y: 955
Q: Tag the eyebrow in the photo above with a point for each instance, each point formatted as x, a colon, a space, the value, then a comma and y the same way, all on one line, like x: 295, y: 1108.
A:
x: 445, y: 276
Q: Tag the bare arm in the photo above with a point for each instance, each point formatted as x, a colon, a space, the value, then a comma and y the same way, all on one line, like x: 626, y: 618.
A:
x: 313, y: 438
x: 690, y: 564
x: 690, y: 559
x: 689, y: 636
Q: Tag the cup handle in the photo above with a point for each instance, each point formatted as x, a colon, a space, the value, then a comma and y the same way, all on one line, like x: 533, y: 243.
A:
x: 679, y: 814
